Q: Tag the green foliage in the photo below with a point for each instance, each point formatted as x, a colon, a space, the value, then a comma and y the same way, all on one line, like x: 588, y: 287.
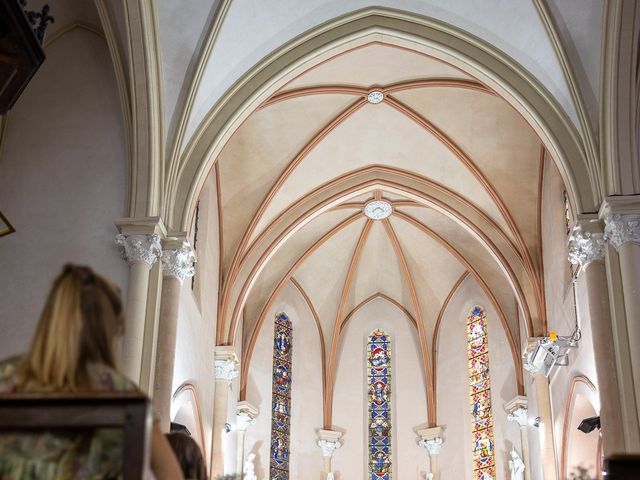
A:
x: 580, y: 473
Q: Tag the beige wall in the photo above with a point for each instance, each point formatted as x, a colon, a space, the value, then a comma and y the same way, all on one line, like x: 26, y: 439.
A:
x: 63, y: 169
x: 561, y: 311
x: 408, y: 402
x: 453, y: 385
x: 306, y: 395
x: 197, y: 317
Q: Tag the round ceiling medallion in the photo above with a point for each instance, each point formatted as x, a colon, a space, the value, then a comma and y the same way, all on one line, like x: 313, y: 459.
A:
x: 375, y: 96
x: 377, y: 209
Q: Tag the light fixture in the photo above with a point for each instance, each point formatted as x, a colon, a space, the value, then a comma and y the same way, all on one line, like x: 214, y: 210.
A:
x: 375, y: 97
x: 535, y: 422
x: 378, y: 209
x: 547, y: 352
x: 589, y: 424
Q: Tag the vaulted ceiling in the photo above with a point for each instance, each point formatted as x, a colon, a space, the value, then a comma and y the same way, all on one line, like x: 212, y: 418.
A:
x: 459, y: 166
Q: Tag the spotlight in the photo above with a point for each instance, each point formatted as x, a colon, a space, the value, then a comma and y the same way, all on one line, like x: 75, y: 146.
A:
x: 589, y: 424
x: 535, y: 421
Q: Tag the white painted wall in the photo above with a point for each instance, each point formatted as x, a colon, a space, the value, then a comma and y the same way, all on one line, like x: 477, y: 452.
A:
x: 408, y: 398
x: 63, y: 169
x: 453, y: 386
x: 197, y: 318
x: 306, y: 395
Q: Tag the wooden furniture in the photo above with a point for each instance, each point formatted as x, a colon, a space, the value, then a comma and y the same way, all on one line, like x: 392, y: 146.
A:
x: 65, y: 412
x: 622, y: 467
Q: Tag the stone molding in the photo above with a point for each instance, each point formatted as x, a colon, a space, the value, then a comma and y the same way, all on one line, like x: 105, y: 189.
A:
x: 140, y: 248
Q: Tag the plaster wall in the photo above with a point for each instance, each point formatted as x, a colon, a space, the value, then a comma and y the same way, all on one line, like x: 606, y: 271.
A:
x: 306, y: 395
x: 561, y: 305
x: 194, y: 362
x: 408, y: 397
x: 497, y: 22
x: 63, y: 169
x: 453, y: 386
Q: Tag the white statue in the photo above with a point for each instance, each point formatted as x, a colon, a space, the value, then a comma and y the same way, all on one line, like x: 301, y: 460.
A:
x: 249, y: 470
x: 330, y: 476
x: 516, y: 466
x: 430, y: 476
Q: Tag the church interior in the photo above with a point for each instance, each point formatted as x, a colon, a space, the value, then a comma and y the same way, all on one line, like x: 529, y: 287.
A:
x: 387, y: 240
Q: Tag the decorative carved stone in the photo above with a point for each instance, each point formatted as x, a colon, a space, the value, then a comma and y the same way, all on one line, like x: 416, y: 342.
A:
x: 226, y: 369
x: 328, y: 447
x: 621, y: 228
x: 585, y: 247
x: 432, y: 445
x: 140, y: 248
x: 246, y: 415
x: 179, y: 262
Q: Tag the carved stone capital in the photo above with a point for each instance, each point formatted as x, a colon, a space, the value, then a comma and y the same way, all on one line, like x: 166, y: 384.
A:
x: 328, y: 441
x: 621, y: 228
x: 585, y: 247
x: 433, y: 445
x: 178, y: 262
x: 517, y: 410
x: 431, y: 439
x: 226, y: 363
x: 144, y: 248
x: 328, y: 447
x: 246, y: 415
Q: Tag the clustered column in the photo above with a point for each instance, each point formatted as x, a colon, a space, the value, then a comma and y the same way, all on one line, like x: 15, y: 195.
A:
x: 587, y: 252
x: 177, y: 264
x: 141, y: 251
x: 328, y: 441
x: 431, y: 440
x: 226, y: 370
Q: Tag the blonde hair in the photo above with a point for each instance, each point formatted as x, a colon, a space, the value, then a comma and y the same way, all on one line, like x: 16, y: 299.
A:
x: 81, y: 318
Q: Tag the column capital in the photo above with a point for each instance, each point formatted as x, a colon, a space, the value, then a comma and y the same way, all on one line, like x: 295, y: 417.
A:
x: 586, y: 242
x: 246, y: 415
x: 431, y: 439
x: 328, y: 441
x: 226, y: 363
x: 517, y: 410
x: 140, y: 248
x: 621, y: 215
x: 178, y: 259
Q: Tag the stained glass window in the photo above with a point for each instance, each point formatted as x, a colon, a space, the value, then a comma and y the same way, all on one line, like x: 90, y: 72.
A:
x: 480, y: 391
x: 567, y: 212
x: 379, y: 392
x: 281, y: 398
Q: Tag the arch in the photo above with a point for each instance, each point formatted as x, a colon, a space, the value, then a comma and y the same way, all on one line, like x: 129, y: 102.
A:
x: 581, y: 388
x: 479, y: 59
x: 186, y: 400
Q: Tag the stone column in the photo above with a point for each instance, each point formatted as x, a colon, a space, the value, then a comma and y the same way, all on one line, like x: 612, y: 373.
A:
x: 328, y: 441
x: 517, y: 412
x: 246, y: 415
x: 545, y: 428
x: 141, y: 250
x: 622, y: 232
x: 431, y: 440
x: 226, y: 369
x: 177, y: 264
x: 587, y: 251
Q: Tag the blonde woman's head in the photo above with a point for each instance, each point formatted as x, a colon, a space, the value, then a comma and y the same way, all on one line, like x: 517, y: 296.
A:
x: 81, y: 318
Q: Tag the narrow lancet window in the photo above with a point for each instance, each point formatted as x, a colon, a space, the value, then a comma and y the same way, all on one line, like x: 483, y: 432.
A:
x: 379, y: 419
x: 281, y: 398
x: 480, y: 390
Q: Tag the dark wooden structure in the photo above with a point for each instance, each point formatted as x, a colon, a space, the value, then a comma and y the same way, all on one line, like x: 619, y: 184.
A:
x: 66, y: 412
x: 21, y: 52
